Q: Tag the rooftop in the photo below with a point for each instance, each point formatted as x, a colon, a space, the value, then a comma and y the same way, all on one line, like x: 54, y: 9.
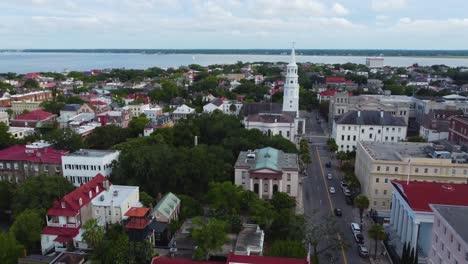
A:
x: 395, y: 151
x: 370, y: 118
x: 419, y: 195
x: 137, y: 211
x: 33, y: 154
x: 250, y: 237
x: 270, y: 118
x: 268, y: 158
x: 238, y: 259
x: 35, y: 115
x: 456, y: 217
x: 71, y: 107
x: 167, y: 205
x: 93, y: 153
x: 116, y: 195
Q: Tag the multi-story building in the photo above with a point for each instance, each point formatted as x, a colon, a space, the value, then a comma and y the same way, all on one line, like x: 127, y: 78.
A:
x: 137, y: 109
x: 378, y: 163
x: 4, y: 118
x: 19, y: 162
x: 97, y: 199
x: 19, y: 107
x: 21, y: 132
x: 119, y: 118
x: 182, y: 112
x: 449, y: 236
x: 411, y: 217
x: 81, y: 166
x: 458, y: 130
x: 272, y: 124
x: 435, y: 124
x: 266, y: 171
x: 226, y: 106
x: 375, y: 62
x: 397, y: 105
x: 376, y: 126
x: 34, y: 119
x: 423, y: 106
x: 167, y: 209
x: 152, y: 113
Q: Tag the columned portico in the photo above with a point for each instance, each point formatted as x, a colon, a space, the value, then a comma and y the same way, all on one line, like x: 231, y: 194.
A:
x: 260, y: 188
x: 270, y: 189
x: 251, y: 185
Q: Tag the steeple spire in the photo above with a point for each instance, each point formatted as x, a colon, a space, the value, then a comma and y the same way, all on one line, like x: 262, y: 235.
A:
x: 293, y: 53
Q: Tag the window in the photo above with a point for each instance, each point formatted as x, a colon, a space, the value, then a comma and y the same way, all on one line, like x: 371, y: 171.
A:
x: 349, y: 137
x: 466, y: 256
x: 426, y: 170
x: 265, y: 187
x: 362, y: 131
x: 465, y: 172
x: 1, y: 165
x: 436, y: 170
x: 385, y: 192
x: 436, y: 238
x: 354, y: 138
x: 445, y: 230
x: 399, y: 129
x: 387, y: 168
x: 386, y: 138
x: 15, y: 165
x: 443, y: 246
x: 378, y: 131
x: 287, y: 133
x: 57, y: 168
x: 288, y: 188
x: 25, y: 167
x: 288, y: 176
x: 386, y: 180
x: 349, y: 128
x: 396, y: 169
x: 370, y: 135
x: 378, y: 168
x: 393, y: 138
x: 454, y: 171
x: 393, y: 129
x: 46, y: 167
x: 377, y: 180
x: 375, y: 203
x: 416, y: 170
x: 8, y: 165
x: 387, y: 129
x: 376, y: 191
x: 243, y: 175
x: 384, y: 203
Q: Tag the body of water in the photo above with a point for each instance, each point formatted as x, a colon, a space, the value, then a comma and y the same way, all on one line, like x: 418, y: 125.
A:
x: 25, y: 62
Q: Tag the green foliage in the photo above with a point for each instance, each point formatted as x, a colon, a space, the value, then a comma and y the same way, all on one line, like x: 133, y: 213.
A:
x: 65, y: 139
x: 93, y: 233
x: 251, y: 90
x: 107, y: 136
x: 209, y: 235
x: 409, y: 255
x: 137, y: 125
x: 53, y: 107
x: 332, y: 146
x: 10, y: 249
x: 6, y: 139
x: 287, y: 249
x: 323, y: 237
x: 6, y: 87
x: 146, y: 199
x: 31, y: 83
x: 282, y: 201
x: 189, y: 207
x: 168, y: 91
x: 39, y: 192
x: 308, y: 99
x: 6, y: 195
x: 141, y: 252
x: 27, y: 228
x: 304, y: 151
x: 224, y: 197
x: 377, y: 233
x: 362, y: 203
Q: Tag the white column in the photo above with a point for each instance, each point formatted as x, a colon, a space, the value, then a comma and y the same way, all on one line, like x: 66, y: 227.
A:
x: 397, y: 215
x: 414, y: 239
x: 280, y: 189
x: 270, y: 188
x: 392, y: 212
x: 409, y: 230
x: 400, y: 219
x: 251, y: 185
x: 260, y: 188
x: 404, y: 228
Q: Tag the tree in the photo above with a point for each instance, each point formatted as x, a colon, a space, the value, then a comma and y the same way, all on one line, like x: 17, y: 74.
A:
x: 141, y: 252
x: 10, y: 249
x: 323, y: 237
x: 362, y: 203
x: 224, y: 197
x: 282, y: 200
x: 31, y: 83
x: 377, y: 233
x: 137, y: 125
x: 287, y: 249
x: 53, y: 107
x: 6, y: 139
x: 409, y: 255
x: 65, y: 139
x: 27, y: 228
x: 341, y: 155
x: 107, y: 136
x: 39, y: 192
x: 209, y: 235
x: 146, y: 199
x: 189, y: 207
x: 93, y: 233
x: 6, y: 195
x: 332, y: 146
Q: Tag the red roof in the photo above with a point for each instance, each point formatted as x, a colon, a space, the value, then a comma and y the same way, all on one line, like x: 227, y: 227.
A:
x: 32, y: 75
x: 137, y: 211
x: 138, y: 223
x: 72, y: 199
x: 420, y: 194
x: 35, y: 155
x: 337, y: 80
x: 62, y: 239
x: 60, y: 231
x: 35, y: 115
x: 328, y: 93
x: 162, y: 260
x: 97, y: 102
x: 239, y: 259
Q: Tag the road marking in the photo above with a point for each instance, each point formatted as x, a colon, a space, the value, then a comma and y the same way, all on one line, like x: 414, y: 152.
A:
x: 331, y: 204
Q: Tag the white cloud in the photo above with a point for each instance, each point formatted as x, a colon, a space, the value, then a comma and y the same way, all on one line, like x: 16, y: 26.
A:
x: 339, y: 10
x: 388, y: 5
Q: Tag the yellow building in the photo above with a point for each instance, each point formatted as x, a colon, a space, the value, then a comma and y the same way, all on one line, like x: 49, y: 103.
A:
x: 18, y: 107
x: 379, y: 163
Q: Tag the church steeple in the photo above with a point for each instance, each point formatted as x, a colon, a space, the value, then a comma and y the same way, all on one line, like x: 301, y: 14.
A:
x: 291, y: 86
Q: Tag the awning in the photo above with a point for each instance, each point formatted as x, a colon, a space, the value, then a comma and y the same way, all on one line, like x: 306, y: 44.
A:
x: 63, y: 239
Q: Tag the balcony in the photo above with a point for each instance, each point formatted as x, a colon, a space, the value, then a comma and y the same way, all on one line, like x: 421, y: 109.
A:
x: 67, y: 225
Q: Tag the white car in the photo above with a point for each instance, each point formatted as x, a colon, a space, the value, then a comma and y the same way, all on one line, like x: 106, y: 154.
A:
x: 332, y: 189
x: 355, y: 228
x: 329, y: 176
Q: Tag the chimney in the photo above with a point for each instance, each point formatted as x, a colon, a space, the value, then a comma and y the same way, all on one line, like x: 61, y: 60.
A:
x: 381, y: 113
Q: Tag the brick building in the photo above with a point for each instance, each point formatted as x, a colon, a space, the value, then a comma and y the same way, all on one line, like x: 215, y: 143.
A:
x: 458, y: 130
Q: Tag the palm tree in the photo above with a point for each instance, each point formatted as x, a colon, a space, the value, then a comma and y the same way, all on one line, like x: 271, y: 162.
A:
x: 362, y: 203
x: 377, y: 233
x: 93, y: 233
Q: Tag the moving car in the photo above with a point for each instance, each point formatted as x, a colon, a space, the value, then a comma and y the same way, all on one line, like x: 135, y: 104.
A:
x: 363, y: 251
x: 332, y: 189
x: 329, y: 176
x: 338, y: 212
x: 359, y: 238
x: 355, y: 228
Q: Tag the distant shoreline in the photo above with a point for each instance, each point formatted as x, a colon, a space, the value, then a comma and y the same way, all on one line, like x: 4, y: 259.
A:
x: 454, y: 54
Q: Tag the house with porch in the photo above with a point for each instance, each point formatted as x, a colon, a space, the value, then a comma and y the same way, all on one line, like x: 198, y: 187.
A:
x: 266, y: 171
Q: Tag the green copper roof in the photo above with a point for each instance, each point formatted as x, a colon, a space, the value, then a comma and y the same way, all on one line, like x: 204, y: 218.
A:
x: 267, y: 158
x: 167, y: 204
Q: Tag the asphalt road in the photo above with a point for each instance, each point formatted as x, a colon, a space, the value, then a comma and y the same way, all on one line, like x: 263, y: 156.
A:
x: 318, y: 202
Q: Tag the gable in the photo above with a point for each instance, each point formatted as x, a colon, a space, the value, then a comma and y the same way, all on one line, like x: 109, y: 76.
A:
x: 264, y: 170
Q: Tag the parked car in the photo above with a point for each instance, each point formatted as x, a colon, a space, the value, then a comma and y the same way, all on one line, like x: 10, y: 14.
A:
x: 332, y: 189
x: 343, y: 184
x: 359, y: 238
x: 338, y: 212
x: 329, y: 176
x: 346, y: 192
x: 363, y: 251
x: 355, y: 228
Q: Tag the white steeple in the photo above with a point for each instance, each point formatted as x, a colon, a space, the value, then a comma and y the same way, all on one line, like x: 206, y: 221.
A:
x: 291, y: 86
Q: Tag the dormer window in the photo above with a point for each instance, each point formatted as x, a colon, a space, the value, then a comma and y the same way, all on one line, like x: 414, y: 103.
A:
x: 90, y: 194
x: 63, y: 204
x: 97, y: 189
x: 80, y: 202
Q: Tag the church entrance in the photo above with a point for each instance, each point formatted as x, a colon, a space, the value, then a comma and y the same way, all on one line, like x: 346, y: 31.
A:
x: 275, y: 188
x: 256, y: 188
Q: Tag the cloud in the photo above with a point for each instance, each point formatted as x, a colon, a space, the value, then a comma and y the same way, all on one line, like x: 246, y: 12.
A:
x: 339, y: 10
x: 388, y: 5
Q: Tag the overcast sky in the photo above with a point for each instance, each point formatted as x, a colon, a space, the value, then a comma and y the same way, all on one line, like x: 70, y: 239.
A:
x: 222, y: 24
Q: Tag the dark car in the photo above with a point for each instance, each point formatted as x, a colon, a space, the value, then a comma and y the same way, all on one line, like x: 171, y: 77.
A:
x: 363, y: 251
x: 328, y: 164
x: 349, y: 200
x: 338, y: 212
x: 359, y: 238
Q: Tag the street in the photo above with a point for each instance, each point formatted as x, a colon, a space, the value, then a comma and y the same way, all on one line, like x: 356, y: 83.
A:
x: 318, y: 202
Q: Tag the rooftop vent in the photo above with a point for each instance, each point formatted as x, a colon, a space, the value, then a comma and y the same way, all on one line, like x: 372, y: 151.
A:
x: 116, y: 193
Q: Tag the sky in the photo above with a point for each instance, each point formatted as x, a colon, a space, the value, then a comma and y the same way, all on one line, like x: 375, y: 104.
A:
x: 226, y: 24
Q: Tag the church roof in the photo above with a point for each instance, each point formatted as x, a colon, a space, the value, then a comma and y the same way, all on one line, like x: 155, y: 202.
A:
x: 271, y: 118
x: 256, y: 108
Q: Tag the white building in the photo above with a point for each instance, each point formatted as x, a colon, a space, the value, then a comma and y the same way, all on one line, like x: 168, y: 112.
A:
x: 355, y: 126
x: 291, y: 87
x: 153, y: 112
x: 4, y: 118
x: 266, y: 171
x: 182, y: 112
x: 411, y: 217
x: 110, y: 206
x: 137, y: 109
x: 21, y: 132
x: 281, y: 124
x: 226, y: 106
x: 81, y: 166
x: 375, y: 62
